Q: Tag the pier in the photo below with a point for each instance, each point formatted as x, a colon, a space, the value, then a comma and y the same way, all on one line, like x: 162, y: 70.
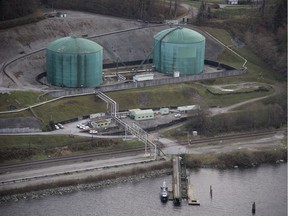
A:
x: 181, y: 188
x: 176, y: 183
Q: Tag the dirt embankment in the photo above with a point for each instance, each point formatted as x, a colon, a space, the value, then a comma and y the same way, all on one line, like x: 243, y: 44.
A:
x: 135, y: 44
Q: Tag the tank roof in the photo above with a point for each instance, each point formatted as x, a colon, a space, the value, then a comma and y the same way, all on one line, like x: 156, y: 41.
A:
x: 179, y: 35
x: 74, y: 45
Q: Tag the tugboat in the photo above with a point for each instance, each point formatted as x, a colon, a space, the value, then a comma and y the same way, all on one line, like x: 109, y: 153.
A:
x: 164, y: 193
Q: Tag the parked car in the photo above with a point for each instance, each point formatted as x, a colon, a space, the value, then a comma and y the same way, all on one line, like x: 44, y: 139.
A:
x: 93, y: 131
x: 178, y: 115
x: 60, y: 125
x: 56, y: 127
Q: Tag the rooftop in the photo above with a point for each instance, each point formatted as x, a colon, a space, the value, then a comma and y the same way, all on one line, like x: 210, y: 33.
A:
x: 74, y: 45
x: 179, y: 35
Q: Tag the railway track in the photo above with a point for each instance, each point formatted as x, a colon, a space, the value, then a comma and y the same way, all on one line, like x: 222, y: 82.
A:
x: 231, y: 137
x: 104, y: 155
x: 109, y: 154
x: 69, y: 159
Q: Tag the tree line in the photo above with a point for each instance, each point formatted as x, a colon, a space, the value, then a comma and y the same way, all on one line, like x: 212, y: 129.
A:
x: 263, y: 27
x: 11, y: 9
x: 136, y: 9
x: 270, y: 113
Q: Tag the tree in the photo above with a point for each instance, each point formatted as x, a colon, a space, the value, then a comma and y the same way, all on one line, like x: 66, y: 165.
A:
x: 11, y: 9
x: 202, y: 13
x: 280, y: 15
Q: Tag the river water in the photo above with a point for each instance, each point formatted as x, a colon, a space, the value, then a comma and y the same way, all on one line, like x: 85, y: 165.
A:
x: 234, y: 192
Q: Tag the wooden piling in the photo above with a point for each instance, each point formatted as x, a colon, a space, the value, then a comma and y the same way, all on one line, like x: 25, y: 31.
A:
x: 211, y: 191
x: 254, y: 208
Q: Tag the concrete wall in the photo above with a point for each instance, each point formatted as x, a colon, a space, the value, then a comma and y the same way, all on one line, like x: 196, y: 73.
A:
x: 169, y: 80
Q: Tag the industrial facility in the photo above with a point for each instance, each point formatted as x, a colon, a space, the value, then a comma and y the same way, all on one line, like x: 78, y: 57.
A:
x: 179, y: 50
x: 74, y: 62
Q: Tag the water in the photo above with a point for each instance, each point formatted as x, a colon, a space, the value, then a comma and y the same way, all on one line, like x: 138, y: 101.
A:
x: 234, y: 192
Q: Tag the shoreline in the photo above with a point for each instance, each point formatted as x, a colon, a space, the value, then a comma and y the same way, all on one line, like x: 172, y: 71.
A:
x: 124, y: 175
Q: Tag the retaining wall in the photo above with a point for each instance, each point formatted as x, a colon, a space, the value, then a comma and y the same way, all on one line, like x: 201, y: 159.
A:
x: 165, y: 81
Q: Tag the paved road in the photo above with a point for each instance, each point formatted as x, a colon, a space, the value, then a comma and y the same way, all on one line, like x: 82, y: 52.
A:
x: 93, y: 168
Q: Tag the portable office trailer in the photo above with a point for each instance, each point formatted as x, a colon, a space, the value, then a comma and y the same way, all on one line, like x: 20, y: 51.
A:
x: 164, y: 111
x: 188, y: 108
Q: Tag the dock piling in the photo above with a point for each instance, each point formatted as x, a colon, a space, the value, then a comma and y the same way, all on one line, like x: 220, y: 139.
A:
x: 254, y: 208
x: 211, y: 191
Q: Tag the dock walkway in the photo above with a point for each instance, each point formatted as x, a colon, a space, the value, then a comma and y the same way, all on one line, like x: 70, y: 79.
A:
x: 181, y: 188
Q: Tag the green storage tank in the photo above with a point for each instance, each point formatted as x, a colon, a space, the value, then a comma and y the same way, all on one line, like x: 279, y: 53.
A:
x: 179, y: 49
x: 74, y: 62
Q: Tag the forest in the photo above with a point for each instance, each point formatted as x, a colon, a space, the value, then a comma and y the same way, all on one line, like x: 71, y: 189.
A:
x: 149, y: 10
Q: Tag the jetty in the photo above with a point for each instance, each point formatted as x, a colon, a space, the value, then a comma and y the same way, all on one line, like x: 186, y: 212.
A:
x: 181, y: 188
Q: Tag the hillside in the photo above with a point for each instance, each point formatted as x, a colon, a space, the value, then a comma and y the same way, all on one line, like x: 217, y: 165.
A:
x: 135, y: 44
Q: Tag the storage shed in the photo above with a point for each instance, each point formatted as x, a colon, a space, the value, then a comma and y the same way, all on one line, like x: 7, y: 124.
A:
x: 101, y: 123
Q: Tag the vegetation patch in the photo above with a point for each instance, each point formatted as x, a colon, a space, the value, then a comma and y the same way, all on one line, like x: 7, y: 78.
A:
x: 239, y: 88
x: 241, y: 158
x: 20, y: 148
x: 20, y: 99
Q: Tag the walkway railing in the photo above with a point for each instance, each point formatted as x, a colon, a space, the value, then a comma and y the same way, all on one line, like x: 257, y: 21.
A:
x: 143, y: 136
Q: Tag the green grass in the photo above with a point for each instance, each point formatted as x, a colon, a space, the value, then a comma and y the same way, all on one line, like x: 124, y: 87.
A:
x: 226, y: 100
x: 240, y: 158
x: 20, y: 99
x: 257, y: 69
x: 166, y: 95
x: 37, y: 147
x: 40, y: 142
x: 221, y: 34
x: 25, y: 113
x: 236, y: 89
x: 69, y: 108
x: 31, y: 18
x: 151, y: 97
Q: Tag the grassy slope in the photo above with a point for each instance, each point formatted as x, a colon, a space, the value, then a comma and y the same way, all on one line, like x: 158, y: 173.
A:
x: 15, y: 148
x: 20, y: 99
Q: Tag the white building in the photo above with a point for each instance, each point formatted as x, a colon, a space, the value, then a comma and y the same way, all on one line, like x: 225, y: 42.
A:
x: 143, y: 77
x: 188, y: 108
x: 139, y: 114
x: 164, y: 111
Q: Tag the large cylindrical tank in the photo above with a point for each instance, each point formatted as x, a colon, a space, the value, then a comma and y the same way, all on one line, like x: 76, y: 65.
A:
x: 179, y: 49
x: 74, y: 62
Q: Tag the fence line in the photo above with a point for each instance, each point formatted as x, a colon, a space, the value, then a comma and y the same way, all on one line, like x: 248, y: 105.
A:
x: 130, y: 85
